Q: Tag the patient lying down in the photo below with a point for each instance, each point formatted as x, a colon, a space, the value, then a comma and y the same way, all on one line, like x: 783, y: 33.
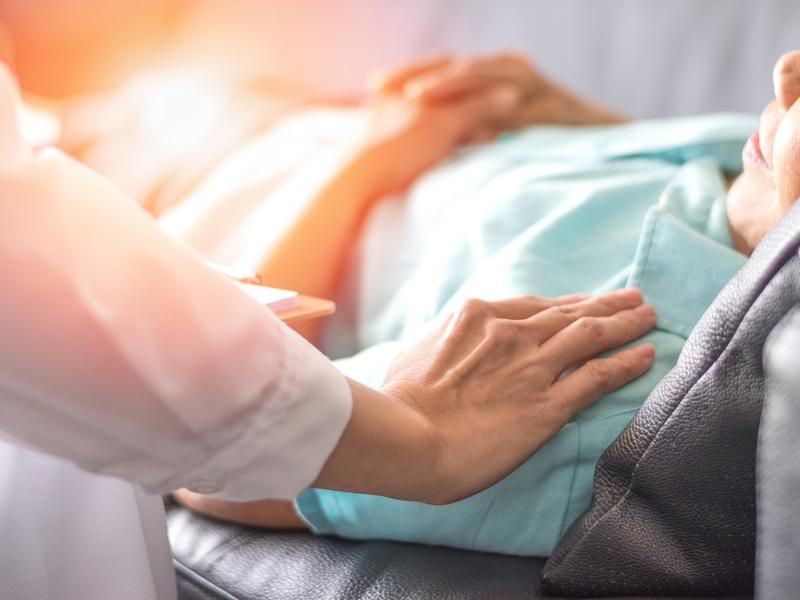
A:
x: 549, y: 211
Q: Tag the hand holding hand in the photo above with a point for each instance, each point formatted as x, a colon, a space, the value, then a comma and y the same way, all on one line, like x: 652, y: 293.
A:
x: 403, y: 137
x: 532, y: 98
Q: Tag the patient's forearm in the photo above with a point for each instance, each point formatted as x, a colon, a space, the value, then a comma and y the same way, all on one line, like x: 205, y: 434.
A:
x: 275, y: 514
x: 310, y: 255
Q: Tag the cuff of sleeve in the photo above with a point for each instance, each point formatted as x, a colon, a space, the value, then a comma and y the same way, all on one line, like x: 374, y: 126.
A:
x: 309, y: 508
x: 290, y: 438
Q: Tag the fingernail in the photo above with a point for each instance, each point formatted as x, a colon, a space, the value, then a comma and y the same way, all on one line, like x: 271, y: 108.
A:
x: 645, y: 310
x: 646, y: 350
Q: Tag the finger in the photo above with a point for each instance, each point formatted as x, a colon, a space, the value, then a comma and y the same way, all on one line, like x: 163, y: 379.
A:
x: 468, y: 79
x: 523, y: 307
x: 589, y: 336
x: 549, y: 322
x: 394, y: 81
x: 490, y: 108
x: 600, y: 376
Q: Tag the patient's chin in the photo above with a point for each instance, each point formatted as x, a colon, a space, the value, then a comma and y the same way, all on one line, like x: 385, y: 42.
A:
x: 753, y: 209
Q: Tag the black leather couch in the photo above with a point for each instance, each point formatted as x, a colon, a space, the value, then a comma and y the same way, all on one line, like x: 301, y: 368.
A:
x: 675, y: 496
x: 217, y: 561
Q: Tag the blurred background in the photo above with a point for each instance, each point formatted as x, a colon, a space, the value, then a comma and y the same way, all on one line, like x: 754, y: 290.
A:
x: 642, y: 57
x: 220, y: 116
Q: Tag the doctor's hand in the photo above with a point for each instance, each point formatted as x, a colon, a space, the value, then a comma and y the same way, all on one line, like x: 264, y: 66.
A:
x: 484, y: 391
x: 535, y: 99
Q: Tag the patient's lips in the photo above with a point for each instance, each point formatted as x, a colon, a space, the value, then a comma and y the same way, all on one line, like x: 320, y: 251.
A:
x: 752, y: 152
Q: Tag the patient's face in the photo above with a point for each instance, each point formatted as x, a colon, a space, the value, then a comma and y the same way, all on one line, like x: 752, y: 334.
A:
x: 770, y: 182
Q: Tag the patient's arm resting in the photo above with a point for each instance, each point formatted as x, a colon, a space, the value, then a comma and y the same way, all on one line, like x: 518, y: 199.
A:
x: 273, y: 514
x: 529, y: 98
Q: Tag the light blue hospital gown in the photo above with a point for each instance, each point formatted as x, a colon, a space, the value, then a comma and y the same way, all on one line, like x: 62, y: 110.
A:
x: 549, y: 211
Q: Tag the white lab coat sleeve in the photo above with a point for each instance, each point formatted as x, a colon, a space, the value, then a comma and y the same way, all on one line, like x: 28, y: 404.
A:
x: 122, y: 352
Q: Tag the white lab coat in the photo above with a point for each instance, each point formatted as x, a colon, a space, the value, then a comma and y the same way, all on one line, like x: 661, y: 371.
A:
x: 127, y: 369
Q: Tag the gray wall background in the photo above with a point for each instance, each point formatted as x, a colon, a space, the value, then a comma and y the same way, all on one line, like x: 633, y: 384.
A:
x: 642, y: 57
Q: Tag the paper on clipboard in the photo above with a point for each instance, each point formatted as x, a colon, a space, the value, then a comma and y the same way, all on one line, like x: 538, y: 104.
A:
x: 274, y: 298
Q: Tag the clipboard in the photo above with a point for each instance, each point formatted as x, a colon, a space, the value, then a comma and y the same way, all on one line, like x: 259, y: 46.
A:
x: 289, y: 306
x: 305, y: 308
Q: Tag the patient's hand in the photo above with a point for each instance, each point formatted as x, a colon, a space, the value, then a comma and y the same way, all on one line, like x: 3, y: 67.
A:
x: 403, y: 137
x: 418, y: 114
x: 535, y: 99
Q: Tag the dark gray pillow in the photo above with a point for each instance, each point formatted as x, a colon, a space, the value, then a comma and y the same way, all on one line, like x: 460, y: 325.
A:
x: 778, y: 549
x: 674, y: 496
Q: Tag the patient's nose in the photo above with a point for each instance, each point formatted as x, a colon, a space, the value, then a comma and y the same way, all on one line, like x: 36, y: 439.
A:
x: 786, y: 79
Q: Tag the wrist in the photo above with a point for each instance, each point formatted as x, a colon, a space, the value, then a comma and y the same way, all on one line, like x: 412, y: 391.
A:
x: 586, y: 113
x: 388, y: 448
x: 428, y: 475
x: 366, y: 168
x: 567, y: 108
